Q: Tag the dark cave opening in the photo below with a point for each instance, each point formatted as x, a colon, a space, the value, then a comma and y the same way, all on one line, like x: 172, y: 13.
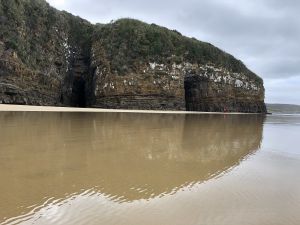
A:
x: 188, y: 89
x: 194, y: 87
x: 78, y: 98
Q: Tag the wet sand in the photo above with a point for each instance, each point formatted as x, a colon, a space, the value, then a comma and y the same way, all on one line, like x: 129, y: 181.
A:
x: 27, y: 108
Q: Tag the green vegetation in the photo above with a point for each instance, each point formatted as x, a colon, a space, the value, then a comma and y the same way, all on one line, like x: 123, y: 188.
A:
x: 127, y: 41
x: 80, y: 32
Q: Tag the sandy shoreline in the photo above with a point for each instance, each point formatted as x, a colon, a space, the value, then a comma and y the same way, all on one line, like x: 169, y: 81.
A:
x: 27, y: 108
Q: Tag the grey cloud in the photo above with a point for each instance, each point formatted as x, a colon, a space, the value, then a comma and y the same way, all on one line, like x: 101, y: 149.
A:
x: 283, y: 90
x: 278, y: 68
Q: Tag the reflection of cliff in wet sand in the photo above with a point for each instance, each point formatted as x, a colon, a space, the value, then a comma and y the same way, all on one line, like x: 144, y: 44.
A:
x: 124, y: 156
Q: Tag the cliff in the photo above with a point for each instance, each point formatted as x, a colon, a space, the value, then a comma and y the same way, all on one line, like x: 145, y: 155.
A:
x: 49, y: 57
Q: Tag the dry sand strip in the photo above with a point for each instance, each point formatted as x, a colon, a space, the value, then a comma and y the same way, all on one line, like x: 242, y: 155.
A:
x: 27, y: 108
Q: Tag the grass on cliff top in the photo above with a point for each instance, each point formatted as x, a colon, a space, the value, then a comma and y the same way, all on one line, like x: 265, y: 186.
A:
x: 127, y: 41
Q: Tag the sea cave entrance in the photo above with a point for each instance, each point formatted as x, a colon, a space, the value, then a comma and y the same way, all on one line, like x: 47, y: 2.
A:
x: 78, y: 98
x: 195, y: 87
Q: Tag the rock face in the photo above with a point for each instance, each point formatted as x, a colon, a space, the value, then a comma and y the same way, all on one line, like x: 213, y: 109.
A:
x: 216, y: 89
x: 48, y: 57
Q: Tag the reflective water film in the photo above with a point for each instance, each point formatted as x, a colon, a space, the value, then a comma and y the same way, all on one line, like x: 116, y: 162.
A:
x: 131, y: 168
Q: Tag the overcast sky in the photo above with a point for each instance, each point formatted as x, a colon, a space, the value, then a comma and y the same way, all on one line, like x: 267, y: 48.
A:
x: 264, y: 34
